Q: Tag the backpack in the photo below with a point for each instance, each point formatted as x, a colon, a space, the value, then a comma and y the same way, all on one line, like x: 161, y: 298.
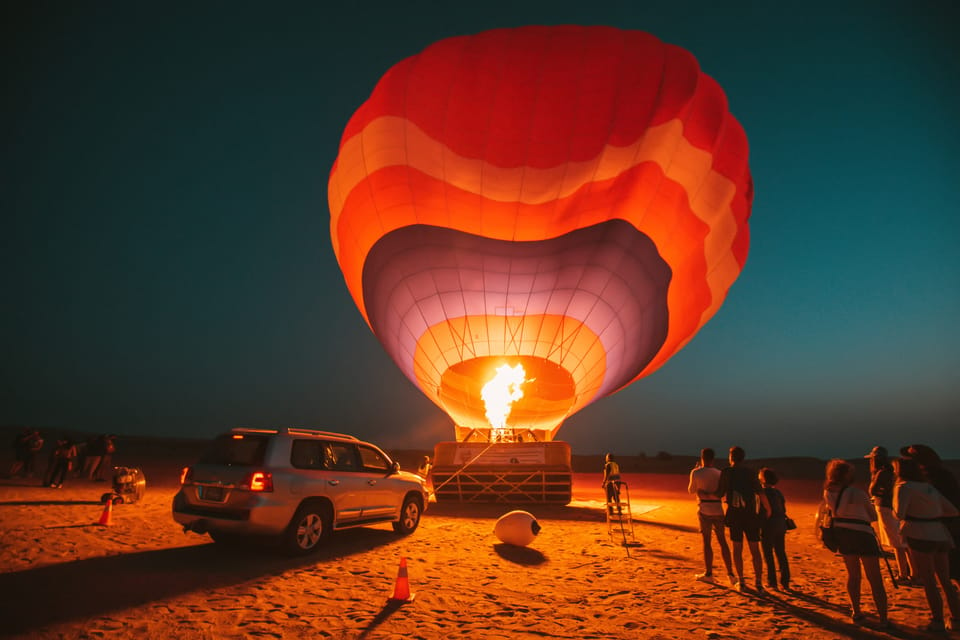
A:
x: 741, y: 489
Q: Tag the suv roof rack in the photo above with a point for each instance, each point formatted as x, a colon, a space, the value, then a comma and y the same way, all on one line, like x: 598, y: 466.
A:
x: 301, y: 431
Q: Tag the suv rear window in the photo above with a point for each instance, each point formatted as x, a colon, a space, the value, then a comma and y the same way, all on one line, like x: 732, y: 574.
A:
x: 237, y: 449
x: 308, y: 454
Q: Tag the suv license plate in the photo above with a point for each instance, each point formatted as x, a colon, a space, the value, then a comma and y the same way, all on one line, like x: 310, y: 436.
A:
x: 213, y: 494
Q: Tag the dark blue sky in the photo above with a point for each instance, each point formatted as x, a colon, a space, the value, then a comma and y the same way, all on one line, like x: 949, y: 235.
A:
x: 167, y: 266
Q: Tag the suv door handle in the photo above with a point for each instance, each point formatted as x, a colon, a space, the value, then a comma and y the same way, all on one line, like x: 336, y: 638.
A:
x: 333, y: 483
x: 371, y: 482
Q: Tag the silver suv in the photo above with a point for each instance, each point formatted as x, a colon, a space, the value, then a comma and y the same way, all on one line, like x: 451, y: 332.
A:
x: 297, y: 485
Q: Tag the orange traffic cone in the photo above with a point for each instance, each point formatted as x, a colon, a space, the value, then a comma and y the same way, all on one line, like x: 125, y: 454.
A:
x: 401, y: 592
x: 106, y: 518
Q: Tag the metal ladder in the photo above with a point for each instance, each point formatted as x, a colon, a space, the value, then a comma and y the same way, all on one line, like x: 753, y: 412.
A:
x: 620, y: 519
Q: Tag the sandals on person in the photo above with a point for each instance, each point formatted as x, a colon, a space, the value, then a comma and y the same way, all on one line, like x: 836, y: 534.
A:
x: 857, y: 618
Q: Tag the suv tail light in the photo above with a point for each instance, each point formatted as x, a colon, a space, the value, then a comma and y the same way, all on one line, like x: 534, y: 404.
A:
x: 185, y: 475
x: 258, y: 481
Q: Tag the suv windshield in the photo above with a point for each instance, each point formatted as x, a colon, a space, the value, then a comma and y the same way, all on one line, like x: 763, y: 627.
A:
x: 373, y: 460
x: 237, y: 449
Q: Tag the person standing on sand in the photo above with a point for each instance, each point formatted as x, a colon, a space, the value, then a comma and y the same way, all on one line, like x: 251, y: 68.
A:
x: 26, y: 448
x: 741, y: 490
x: 63, y: 455
x: 773, y: 531
x: 852, y: 513
x: 106, y: 459
x: 946, y: 483
x: 611, y: 482
x: 704, y: 480
x: 921, y: 510
x: 881, y: 491
x: 94, y: 452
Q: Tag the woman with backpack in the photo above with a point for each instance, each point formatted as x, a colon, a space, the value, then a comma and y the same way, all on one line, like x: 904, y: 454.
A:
x: 852, y: 512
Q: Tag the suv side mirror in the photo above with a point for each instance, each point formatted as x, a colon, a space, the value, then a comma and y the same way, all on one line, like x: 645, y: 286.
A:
x: 395, y: 468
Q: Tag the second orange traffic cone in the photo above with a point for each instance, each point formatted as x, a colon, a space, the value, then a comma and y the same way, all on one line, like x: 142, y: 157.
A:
x: 106, y: 518
x: 401, y: 592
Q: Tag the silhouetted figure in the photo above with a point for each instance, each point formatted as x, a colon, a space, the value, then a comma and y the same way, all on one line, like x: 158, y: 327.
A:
x: 109, y: 447
x: 773, y: 531
x: 93, y: 452
x: 740, y: 488
x: 64, y: 454
x: 611, y: 482
x: 26, y: 447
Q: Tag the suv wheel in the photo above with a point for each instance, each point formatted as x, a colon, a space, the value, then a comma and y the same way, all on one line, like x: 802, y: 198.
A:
x: 310, y: 525
x: 409, y: 516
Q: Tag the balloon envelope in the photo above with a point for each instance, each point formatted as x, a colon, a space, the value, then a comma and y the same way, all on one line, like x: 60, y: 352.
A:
x: 572, y: 199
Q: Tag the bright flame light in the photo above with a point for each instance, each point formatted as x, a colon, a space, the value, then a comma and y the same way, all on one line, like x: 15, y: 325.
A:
x: 500, y: 393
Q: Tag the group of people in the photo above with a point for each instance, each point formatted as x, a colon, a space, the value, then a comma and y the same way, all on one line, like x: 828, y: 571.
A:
x: 756, y: 511
x: 26, y: 449
x: 912, y: 500
x: 90, y: 459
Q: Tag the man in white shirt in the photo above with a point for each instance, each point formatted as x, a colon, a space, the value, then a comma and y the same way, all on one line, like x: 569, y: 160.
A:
x: 704, y: 481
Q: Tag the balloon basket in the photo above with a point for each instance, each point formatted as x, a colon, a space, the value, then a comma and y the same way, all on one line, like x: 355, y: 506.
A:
x: 510, y: 473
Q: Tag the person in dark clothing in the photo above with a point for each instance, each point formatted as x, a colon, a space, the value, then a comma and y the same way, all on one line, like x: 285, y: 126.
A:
x: 34, y: 446
x: 91, y: 458
x: 79, y: 463
x: 64, y: 453
x: 26, y: 448
x: 740, y: 488
x: 611, y: 482
x: 106, y: 460
x: 773, y: 531
x: 104, y: 450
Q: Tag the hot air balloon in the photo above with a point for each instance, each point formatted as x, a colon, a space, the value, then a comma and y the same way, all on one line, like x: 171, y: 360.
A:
x: 530, y: 219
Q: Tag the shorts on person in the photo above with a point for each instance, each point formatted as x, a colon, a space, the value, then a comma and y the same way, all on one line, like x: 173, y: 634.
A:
x: 930, y: 546
x: 853, y: 542
x: 708, y: 523
x: 743, y: 524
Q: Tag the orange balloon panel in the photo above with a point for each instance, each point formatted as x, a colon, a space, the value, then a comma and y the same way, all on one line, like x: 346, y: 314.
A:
x: 574, y: 199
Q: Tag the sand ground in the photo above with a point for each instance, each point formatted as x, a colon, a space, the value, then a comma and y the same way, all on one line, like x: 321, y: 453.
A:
x: 142, y: 577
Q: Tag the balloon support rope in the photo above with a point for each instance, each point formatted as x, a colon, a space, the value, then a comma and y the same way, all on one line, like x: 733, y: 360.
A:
x: 433, y: 494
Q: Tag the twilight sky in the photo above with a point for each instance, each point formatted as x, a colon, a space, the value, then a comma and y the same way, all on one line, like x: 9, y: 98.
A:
x: 166, y: 257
